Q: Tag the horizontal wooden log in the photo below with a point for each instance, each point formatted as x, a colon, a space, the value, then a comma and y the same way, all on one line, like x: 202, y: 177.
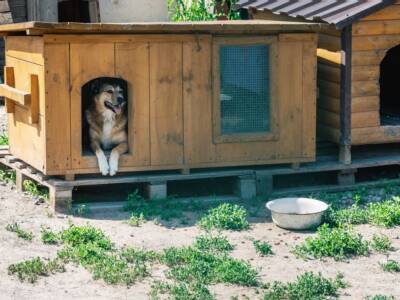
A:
x: 376, y: 27
x: 358, y: 104
x: 375, y: 42
x: 368, y: 72
x: 329, y: 73
x: 358, y: 120
x: 365, y: 88
x: 15, y: 95
x: 328, y: 88
x: 368, y: 58
x: 331, y: 56
x: 391, y: 12
x: 328, y: 133
x: 329, y: 42
x: 375, y: 135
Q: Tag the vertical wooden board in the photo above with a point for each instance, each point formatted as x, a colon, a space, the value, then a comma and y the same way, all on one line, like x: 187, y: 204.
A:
x: 27, y: 141
x: 132, y: 65
x: 309, y: 99
x: 87, y: 61
x: 166, y: 107
x: 290, y: 85
x: 199, y: 147
x: 57, y: 114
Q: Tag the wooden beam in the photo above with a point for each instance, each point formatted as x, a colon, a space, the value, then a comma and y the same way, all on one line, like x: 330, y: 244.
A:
x: 345, y: 96
x: 34, y: 117
x: 10, y: 81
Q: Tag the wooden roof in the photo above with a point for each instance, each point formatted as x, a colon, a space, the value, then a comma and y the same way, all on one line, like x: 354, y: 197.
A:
x: 337, y: 12
x: 242, y: 26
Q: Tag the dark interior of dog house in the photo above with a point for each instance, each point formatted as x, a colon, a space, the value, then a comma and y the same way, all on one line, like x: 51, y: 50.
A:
x: 389, y: 87
x: 88, y: 93
x: 73, y: 11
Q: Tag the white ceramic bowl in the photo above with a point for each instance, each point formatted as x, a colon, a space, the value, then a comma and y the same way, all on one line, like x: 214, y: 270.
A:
x: 297, y: 213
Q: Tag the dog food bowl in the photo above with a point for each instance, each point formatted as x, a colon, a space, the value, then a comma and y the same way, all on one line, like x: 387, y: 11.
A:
x: 297, y: 213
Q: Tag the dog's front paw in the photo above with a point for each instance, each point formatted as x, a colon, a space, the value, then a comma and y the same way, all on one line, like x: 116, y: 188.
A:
x: 103, y: 164
x: 113, y: 163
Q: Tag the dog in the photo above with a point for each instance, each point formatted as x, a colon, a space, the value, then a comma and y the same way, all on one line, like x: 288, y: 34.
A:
x: 107, y: 124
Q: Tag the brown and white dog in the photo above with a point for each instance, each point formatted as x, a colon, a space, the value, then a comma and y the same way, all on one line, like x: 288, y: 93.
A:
x: 107, y: 124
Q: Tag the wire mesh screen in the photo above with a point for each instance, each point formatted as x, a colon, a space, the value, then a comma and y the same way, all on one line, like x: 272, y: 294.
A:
x: 244, y: 89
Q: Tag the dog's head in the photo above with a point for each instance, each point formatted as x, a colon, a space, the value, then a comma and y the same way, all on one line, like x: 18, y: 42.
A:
x: 108, y: 96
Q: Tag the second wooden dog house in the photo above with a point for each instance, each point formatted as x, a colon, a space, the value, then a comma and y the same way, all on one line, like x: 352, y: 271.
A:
x: 199, y: 94
x: 358, y: 65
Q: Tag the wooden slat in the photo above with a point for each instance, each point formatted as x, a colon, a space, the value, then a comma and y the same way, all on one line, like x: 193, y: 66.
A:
x: 328, y: 88
x: 328, y: 132
x: 166, y: 118
x: 368, y: 58
x: 376, y: 27
x: 358, y: 104
x: 375, y: 42
x: 331, y: 56
x: 25, y: 48
x: 329, y: 42
x: 367, y: 73
x: 329, y: 73
x: 365, y: 88
x: 34, y: 101
x: 376, y: 135
x: 15, y: 95
x: 391, y: 12
x: 9, y: 81
x: 358, y: 120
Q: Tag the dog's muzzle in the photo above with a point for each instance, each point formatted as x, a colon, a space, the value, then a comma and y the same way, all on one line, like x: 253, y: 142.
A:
x: 117, y: 108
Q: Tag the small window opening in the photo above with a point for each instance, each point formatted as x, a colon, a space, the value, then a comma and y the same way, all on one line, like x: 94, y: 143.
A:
x: 389, y: 88
x: 109, y: 102
x: 73, y: 11
x: 244, y: 89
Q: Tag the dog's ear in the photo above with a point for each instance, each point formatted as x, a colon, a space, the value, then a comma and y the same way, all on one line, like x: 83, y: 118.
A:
x: 95, y: 87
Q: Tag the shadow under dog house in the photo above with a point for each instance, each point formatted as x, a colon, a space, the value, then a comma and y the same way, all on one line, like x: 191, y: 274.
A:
x: 200, y: 95
x: 358, y: 64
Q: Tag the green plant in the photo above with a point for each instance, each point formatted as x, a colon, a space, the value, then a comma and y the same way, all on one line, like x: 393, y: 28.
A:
x: 136, y: 220
x: 49, y: 237
x: 225, y: 216
x: 3, y: 139
x: 339, y: 243
x: 213, y: 243
x: 353, y: 215
x: 390, y: 266
x: 381, y: 243
x: 199, y: 10
x: 386, y: 213
x: 307, y: 286
x: 30, y: 270
x: 380, y: 297
x: 33, y: 189
x: 19, y: 231
x: 262, y: 248
x: 8, y: 176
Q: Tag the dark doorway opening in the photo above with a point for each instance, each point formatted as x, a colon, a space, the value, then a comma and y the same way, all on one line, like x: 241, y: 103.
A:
x: 390, y: 87
x: 73, y: 11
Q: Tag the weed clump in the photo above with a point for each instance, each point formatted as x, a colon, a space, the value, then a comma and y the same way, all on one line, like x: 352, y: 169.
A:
x: 33, y: 189
x: 30, y: 270
x: 307, y: 286
x: 19, y: 231
x: 8, y: 176
x: 136, y: 220
x: 213, y: 243
x: 3, y: 139
x: 390, y: 266
x: 339, y: 243
x: 225, y: 216
x: 262, y: 248
x: 381, y: 243
x: 380, y: 297
x: 49, y: 237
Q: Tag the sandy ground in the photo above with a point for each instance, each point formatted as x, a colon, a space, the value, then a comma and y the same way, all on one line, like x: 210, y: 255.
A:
x: 362, y: 274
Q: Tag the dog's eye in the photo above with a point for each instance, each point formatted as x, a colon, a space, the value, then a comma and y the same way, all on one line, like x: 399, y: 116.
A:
x: 110, y: 91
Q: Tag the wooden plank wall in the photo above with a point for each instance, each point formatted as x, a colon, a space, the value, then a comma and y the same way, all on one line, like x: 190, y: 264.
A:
x: 372, y: 37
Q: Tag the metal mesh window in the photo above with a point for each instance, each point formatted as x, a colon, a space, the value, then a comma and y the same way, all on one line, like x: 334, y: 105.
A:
x: 244, y: 89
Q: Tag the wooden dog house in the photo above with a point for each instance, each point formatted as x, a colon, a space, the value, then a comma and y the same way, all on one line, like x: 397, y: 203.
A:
x: 358, y: 65
x: 199, y: 94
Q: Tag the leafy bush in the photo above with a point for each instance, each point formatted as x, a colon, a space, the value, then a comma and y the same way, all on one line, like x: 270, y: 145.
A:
x: 49, y: 237
x: 339, y: 243
x: 307, y: 286
x: 381, y: 243
x: 225, y: 216
x: 386, y: 213
x: 390, y: 266
x: 354, y: 215
x: 136, y: 220
x: 19, y: 231
x: 3, y: 139
x: 213, y: 243
x: 33, y: 189
x: 76, y: 236
x: 262, y: 248
x: 8, y: 176
x: 30, y: 270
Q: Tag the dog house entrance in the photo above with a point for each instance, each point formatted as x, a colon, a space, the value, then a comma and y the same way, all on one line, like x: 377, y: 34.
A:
x: 89, y: 92
x: 389, y: 87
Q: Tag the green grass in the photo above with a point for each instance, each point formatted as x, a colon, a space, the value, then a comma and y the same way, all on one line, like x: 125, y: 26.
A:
x: 7, y: 176
x: 262, y: 248
x: 33, y: 189
x: 213, y: 243
x: 381, y: 243
x: 385, y: 213
x: 3, y: 139
x: 49, y: 237
x: 30, y: 270
x: 380, y: 297
x: 136, y: 220
x: 225, y: 216
x: 390, y: 266
x: 307, y: 286
x: 19, y: 231
x: 339, y: 243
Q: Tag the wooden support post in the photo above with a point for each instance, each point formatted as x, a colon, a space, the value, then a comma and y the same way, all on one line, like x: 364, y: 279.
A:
x: 246, y: 187
x: 156, y: 190
x: 10, y: 81
x: 19, y: 180
x: 61, y: 199
x: 345, y: 96
x: 265, y: 185
x: 346, y: 177
x: 34, y: 106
